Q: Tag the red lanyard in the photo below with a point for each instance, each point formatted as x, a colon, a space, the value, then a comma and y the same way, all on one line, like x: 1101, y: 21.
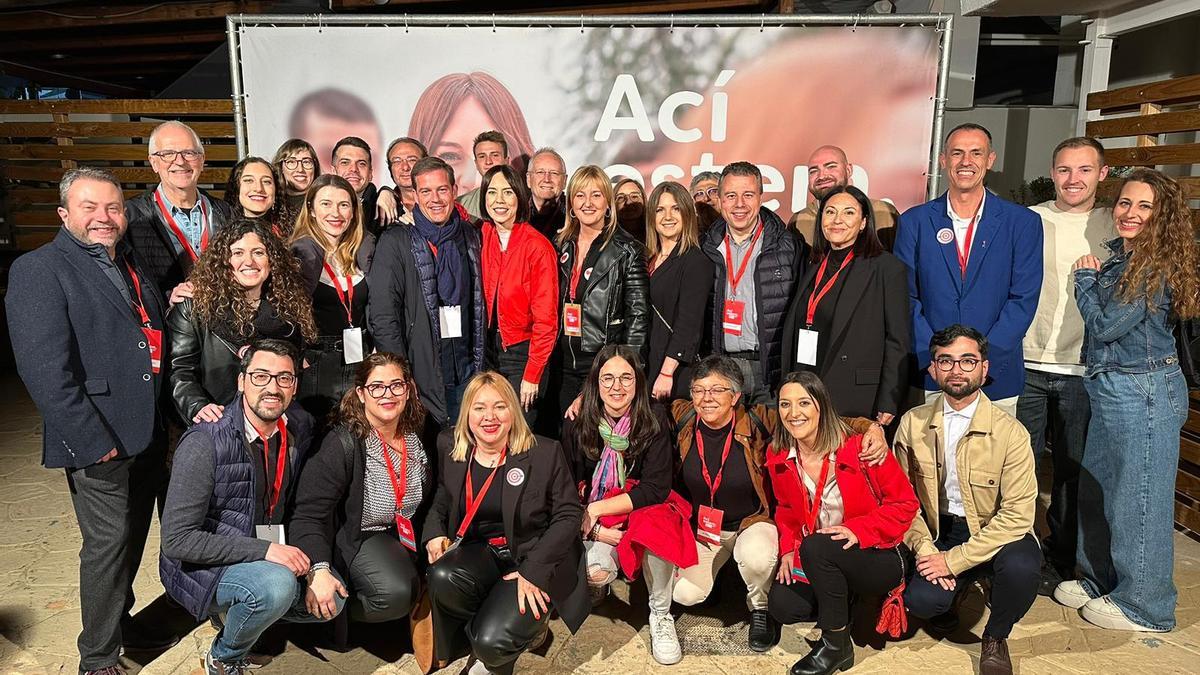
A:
x: 399, y: 485
x: 576, y: 271
x: 474, y: 503
x: 280, y: 464
x: 713, y: 485
x: 812, y: 508
x: 735, y: 279
x: 346, y: 297
x: 815, y: 298
x: 965, y: 251
x: 137, y: 288
x: 204, y: 226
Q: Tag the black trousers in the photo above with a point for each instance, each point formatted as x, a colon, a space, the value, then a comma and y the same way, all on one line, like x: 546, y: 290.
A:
x: 511, y: 364
x: 326, y: 379
x: 833, y: 573
x: 384, y: 578
x: 113, y: 503
x: 573, y: 376
x: 468, y: 596
x: 1015, y: 572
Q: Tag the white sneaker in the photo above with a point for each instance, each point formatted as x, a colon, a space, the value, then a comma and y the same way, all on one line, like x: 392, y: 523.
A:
x: 664, y: 643
x: 1071, y: 594
x: 1104, y: 612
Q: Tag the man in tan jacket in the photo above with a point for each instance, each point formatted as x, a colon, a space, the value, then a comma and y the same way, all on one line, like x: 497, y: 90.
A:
x: 972, y: 468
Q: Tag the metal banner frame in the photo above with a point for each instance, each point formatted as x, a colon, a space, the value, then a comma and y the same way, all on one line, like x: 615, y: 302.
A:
x: 942, y: 23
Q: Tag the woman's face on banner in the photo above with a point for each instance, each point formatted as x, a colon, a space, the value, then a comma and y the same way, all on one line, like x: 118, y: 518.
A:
x: 468, y: 121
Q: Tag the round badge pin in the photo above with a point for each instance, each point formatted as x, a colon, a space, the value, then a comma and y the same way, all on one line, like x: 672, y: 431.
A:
x: 587, y: 274
x: 515, y: 477
x: 945, y: 235
x: 563, y: 259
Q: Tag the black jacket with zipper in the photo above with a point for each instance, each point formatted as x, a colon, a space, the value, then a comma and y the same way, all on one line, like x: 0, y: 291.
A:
x: 150, y: 236
x: 615, y: 296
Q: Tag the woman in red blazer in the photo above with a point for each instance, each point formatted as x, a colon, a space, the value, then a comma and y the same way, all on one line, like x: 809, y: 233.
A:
x: 520, y: 287
x: 840, y: 522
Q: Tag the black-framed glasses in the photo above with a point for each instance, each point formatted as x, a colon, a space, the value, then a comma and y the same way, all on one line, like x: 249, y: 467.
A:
x: 609, y: 380
x: 169, y: 156
x: 700, y: 392
x: 966, y: 364
x: 378, y: 389
x: 291, y: 163
x: 261, y: 378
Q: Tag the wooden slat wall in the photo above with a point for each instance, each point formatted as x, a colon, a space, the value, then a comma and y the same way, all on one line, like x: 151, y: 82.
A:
x: 1145, y: 112
x: 35, y: 151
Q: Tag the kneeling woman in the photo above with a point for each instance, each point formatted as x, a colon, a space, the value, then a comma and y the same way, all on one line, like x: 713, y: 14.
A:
x: 371, y: 479
x: 503, y: 532
x: 840, y: 521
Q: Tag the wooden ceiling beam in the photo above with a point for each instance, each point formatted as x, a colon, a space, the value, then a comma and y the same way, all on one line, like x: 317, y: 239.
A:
x: 116, y: 57
x: 53, y: 44
x: 615, y: 7
x: 110, y: 15
x: 50, y: 78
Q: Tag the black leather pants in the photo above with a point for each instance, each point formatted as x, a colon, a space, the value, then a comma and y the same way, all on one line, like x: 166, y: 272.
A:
x: 470, y: 598
x: 384, y: 578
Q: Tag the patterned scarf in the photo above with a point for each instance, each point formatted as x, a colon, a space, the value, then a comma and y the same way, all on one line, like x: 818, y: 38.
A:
x: 610, y: 471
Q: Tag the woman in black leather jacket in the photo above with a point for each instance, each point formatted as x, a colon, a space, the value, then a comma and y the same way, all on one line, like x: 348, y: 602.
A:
x: 246, y: 286
x: 602, y: 281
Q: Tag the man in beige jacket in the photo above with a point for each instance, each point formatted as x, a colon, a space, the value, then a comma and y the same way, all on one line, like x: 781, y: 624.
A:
x: 972, y: 468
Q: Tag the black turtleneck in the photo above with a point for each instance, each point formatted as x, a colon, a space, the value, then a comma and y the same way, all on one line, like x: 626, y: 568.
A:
x: 735, y: 495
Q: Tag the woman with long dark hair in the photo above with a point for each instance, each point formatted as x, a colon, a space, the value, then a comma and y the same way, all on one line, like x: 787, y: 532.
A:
x: 246, y: 286
x: 372, y: 480
x: 1130, y: 305
x: 298, y: 166
x: 254, y: 191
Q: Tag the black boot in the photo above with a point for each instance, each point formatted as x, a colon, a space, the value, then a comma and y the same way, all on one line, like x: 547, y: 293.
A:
x: 834, y: 654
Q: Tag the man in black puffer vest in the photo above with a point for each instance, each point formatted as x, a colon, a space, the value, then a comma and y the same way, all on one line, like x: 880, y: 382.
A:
x: 224, y: 551
x: 758, y: 261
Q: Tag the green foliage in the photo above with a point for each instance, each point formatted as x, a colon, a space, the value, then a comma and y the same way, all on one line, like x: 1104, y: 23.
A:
x: 1032, y: 192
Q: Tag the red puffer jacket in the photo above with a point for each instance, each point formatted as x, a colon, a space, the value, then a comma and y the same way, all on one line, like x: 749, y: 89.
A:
x: 525, y: 279
x: 878, y: 501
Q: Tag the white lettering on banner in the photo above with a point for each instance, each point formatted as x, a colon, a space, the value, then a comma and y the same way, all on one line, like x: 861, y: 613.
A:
x: 720, y: 112
x: 625, y: 89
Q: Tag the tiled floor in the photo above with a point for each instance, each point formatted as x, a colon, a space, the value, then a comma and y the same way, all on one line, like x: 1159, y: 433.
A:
x: 39, y: 610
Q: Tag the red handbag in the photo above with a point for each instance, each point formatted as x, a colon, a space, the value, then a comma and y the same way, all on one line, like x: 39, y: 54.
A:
x: 893, y: 619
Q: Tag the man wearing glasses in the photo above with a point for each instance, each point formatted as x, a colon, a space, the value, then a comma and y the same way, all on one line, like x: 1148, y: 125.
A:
x: 170, y: 224
x: 972, y: 467
x: 829, y: 168
x: 402, y: 154
x: 547, y: 177
x: 224, y: 542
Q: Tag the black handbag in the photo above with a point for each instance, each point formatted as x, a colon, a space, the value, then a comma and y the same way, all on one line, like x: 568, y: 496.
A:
x: 1187, y: 345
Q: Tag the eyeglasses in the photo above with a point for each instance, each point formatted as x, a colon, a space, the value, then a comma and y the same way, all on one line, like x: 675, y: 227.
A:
x: 946, y: 364
x: 291, y: 163
x: 261, y: 378
x: 626, y: 380
x: 700, y: 392
x: 169, y: 156
x: 378, y: 389
x: 400, y: 161
x: 711, y: 193
x: 542, y: 174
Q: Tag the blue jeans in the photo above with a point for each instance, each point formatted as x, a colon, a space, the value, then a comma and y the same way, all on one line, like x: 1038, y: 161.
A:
x: 253, y: 596
x: 1056, y: 407
x: 1127, y: 492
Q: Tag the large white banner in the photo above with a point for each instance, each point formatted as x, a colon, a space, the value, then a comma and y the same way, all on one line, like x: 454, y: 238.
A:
x: 655, y: 103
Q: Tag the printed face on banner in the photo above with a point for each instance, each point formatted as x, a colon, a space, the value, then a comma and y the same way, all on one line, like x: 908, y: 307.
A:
x: 649, y: 103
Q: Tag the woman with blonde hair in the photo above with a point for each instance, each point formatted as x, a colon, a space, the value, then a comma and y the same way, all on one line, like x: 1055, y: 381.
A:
x: 335, y: 252
x: 1130, y: 305
x: 602, y: 281
x: 502, y: 535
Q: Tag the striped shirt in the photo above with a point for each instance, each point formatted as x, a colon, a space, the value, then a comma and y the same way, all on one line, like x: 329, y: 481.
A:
x: 379, y: 500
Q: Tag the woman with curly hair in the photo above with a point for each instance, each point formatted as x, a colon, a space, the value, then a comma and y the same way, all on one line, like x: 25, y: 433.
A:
x: 253, y: 192
x: 246, y: 286
x: 334, y: 252
x: 297, y: 165
x: 1130, y: 304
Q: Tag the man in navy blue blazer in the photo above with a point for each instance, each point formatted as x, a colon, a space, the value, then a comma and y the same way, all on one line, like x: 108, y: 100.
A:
x: 86, y: 325
x: 975, y: 259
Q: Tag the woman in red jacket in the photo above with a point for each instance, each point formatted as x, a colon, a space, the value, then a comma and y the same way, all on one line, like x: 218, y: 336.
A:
x: 840, y: 522
x: 520, y: 287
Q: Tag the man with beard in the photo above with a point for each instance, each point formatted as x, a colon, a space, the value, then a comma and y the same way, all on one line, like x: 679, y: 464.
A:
x: 630, y: 202
x: 546, y: 177
x: 224, y: 550
x: 426, y: 299
x: 972, y: 468
x: 352, y: 161
x: 489, y: 149
x: 402, y: 154
x: 828, y: 168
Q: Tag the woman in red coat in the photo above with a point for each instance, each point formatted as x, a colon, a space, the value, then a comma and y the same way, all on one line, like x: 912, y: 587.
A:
x: 520, y: 287
x: 840, y: 522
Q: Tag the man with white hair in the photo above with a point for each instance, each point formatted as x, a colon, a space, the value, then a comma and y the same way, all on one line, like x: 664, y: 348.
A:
x: 171, y: 223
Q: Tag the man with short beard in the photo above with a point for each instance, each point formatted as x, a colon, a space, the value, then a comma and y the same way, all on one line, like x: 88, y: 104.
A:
x: 352, y: 161
x: 972, y: 468
x: 224, y: 551
x: 547, y: 177
x: 828, y: 168
x: 402, y: 155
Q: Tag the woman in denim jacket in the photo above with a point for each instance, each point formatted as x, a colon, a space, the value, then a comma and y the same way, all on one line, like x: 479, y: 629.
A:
x: 1139, y: 402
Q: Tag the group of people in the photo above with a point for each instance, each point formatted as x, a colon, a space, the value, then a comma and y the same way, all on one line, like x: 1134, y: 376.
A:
x: 358, y: 402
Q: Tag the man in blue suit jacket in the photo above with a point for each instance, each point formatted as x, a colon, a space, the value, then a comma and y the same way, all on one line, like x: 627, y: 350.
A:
x: 84, y: 318
x: 975, y: 259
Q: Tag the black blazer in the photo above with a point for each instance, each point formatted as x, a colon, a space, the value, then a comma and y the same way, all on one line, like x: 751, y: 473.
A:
x: 81, y: 352
x: 680, y: 293
x: 149, y: 235
x: 614, y: 297
x: 542, y: 517
x: 866, y: 360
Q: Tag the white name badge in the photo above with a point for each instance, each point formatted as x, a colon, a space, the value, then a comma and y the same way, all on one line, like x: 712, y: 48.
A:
x: 806, y: 347
x: 450, y: 320
x: 352, y: 345
x: 271, y: 533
